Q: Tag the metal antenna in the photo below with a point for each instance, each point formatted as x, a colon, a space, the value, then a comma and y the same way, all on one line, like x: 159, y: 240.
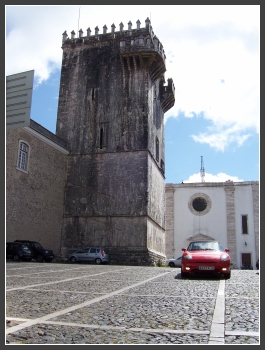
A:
x: 78, y: 19
x: 202, y: 170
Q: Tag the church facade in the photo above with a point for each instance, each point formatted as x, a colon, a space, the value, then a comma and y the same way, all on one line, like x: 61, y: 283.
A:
x: 224, y: 211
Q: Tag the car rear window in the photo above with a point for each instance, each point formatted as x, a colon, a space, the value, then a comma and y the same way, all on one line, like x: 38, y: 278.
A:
x: 94, y: 250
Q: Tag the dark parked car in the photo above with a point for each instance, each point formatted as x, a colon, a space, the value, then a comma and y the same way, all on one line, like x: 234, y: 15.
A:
x: 257, y: 264
x: 39, y: 253
x: 246, y: 267
x: 18, y: 251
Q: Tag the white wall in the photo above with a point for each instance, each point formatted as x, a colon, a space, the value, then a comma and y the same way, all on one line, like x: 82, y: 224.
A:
x: 186, y: 224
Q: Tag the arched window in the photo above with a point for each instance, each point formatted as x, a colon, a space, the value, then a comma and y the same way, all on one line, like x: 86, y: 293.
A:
x: 23, y: 154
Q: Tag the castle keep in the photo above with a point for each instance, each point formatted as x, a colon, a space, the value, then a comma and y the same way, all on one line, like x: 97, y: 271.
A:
x: 111, y: 109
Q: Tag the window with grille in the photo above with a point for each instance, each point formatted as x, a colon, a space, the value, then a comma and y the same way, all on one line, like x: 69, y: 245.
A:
x: 22, y: 163
x: 199, y: 204
x: 245, y: 224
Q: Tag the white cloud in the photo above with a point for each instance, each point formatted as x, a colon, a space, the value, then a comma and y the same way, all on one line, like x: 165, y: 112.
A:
x: 220, y: 177
x: 212, y: 55
x: 221, y: 139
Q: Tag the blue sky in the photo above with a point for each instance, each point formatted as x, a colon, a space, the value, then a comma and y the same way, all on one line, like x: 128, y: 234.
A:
x: 213, y: 56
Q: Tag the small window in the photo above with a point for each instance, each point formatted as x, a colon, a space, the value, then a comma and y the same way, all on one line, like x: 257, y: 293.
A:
x: 162, y: 165
x: 23, y: 154
x: 245, y: 224
x: 157, y: 149
x: 93, y: 250
x: 101, y: 138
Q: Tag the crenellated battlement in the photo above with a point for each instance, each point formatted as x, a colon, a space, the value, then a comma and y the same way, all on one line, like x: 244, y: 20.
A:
x: 129, y: 41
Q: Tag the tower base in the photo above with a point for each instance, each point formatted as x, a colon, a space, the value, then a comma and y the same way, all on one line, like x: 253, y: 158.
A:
x: 134, y: 256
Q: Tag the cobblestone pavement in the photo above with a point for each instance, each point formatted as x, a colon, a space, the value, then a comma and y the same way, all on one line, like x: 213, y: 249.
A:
x: 53, y: 303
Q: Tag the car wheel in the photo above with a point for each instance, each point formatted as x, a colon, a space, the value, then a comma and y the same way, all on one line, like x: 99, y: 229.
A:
x: 73, y: 259
x: 227, y: 275
x: 16, y: 257
x: 98, y: 261
x: 40, y: 258
x: 171, y: 264
x: 184, y: 274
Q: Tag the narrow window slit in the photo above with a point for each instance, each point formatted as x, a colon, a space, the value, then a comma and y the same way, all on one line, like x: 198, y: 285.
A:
x: 101, y: 138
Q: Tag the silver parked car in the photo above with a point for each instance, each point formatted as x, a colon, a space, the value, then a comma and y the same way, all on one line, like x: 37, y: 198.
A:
x: 174, y: 262
x: 89, y: 254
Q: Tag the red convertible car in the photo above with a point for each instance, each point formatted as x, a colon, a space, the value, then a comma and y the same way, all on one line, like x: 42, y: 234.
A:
x: 205, y: 258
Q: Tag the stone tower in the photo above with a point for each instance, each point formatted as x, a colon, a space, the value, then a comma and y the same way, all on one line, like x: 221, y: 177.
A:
x: 111, y: 112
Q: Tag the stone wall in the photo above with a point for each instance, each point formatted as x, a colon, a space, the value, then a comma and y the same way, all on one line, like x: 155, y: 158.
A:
x: 169, y: 190
x: 255, y: 194
x: 231, y: 229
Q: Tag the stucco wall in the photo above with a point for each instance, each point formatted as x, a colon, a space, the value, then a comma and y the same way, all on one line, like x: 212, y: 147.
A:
x: 34, y: 200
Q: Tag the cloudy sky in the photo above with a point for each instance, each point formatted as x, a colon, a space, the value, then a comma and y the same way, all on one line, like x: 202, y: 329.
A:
x: 212, y: 54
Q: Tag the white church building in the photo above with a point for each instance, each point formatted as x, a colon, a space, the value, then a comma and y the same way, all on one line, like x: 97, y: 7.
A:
x: 224, y: 211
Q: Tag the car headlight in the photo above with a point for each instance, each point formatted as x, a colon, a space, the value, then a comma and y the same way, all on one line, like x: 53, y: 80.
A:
x: 224, y: 257
x: 187, y: 257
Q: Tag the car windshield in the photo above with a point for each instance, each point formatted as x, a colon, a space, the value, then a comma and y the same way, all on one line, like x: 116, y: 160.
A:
x: 205, y: 246
x: 25, y: 248
x: 37, y: 245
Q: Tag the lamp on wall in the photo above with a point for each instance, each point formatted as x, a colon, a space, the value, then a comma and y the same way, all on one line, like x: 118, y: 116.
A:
x: 246, y: 243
